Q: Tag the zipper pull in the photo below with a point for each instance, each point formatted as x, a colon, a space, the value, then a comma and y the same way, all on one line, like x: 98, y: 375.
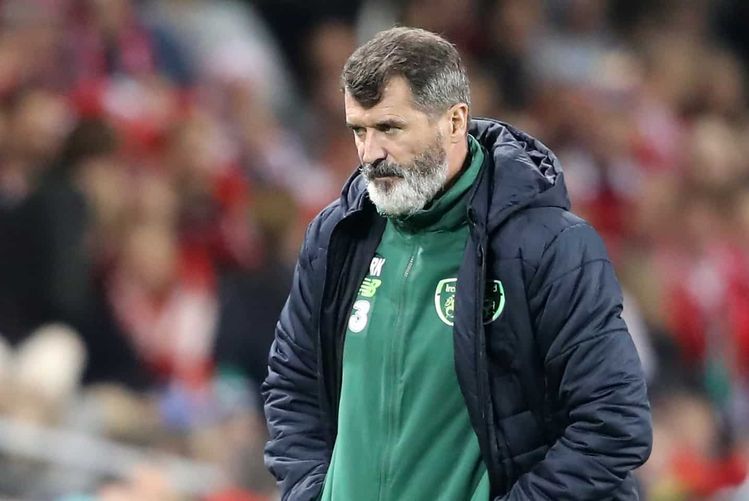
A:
x: 480, y: 254
x: 472, y: 218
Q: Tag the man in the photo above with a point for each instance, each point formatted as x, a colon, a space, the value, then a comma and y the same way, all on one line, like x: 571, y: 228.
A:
x: 453, y: 332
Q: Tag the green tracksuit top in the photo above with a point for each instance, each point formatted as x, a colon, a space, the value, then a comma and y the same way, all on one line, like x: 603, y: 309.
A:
x: 403, y: 428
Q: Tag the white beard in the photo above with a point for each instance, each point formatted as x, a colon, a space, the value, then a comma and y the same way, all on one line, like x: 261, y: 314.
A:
x: 413, y: 186
x: 407, y: 195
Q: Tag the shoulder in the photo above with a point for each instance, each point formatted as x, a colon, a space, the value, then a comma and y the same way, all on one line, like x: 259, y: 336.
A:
x: 319, y: 230
x: 536, y: 234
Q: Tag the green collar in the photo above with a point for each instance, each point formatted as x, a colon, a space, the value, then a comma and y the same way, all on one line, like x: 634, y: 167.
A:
x: 447, y: 211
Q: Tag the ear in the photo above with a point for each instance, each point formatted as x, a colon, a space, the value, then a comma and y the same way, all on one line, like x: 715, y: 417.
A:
x: 458, y: 115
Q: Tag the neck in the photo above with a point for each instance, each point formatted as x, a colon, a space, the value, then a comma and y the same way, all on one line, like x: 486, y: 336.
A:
x: 456, y: 158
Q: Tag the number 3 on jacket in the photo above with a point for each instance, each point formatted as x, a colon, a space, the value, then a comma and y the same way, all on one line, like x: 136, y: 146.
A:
x: 360, y: 316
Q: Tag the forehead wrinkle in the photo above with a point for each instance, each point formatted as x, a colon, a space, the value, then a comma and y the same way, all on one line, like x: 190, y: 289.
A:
x: 397, y: 102
x: 372, y: 116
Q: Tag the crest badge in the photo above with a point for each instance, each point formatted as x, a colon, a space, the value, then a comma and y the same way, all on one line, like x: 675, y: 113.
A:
x: 444, y: 300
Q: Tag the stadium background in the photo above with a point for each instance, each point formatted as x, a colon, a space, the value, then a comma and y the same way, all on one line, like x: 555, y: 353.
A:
x: 159, y: 161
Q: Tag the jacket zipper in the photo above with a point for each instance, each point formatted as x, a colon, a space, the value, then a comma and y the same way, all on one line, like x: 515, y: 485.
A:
x: 392, y: 404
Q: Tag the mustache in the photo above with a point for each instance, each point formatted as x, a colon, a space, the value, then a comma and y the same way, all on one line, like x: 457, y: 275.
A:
x: 381, y: 169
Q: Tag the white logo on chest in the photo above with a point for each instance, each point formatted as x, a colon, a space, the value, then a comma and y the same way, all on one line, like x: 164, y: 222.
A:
x: 361, y: 309
x: 375, y: 267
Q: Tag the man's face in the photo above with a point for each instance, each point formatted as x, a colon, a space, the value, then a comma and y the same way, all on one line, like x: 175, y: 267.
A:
x: 402, y: 150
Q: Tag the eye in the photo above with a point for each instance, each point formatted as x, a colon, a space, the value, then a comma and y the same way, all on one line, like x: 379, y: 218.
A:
x: 358, y: 131
x: 388, y: 129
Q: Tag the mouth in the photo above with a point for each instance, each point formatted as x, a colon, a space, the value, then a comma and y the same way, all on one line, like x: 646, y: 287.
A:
x: 387, y: 176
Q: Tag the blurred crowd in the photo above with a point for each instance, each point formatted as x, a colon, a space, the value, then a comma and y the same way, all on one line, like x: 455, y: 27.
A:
x: 159, y: 162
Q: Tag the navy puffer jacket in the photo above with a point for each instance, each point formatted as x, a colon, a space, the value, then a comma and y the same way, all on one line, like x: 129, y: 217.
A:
x: 553, y: 387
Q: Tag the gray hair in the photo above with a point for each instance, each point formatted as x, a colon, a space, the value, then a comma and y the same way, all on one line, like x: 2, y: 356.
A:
x: 430, y: 64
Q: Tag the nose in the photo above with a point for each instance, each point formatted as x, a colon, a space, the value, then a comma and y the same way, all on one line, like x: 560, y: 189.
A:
x: 370, y: 149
